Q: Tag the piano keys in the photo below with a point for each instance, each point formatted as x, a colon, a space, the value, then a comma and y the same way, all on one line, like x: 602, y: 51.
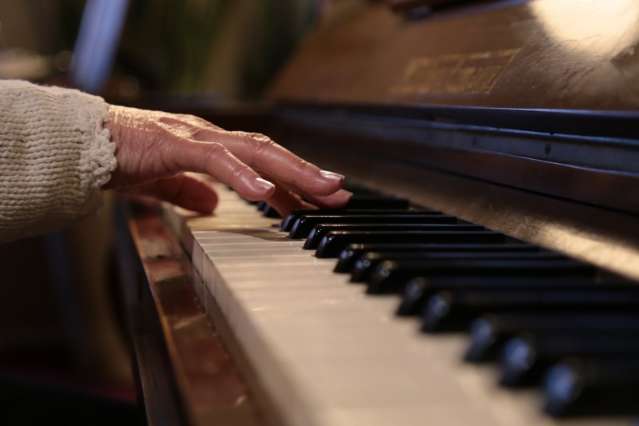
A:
x: 525, y: 359
x: 328, y: 353
x: 372, y: 254
x: 489, y: 332
x: 583, y: 387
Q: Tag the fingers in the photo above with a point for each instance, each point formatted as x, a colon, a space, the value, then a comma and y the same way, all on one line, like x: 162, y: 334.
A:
x: 276, y: 162
x: 181, y: 190
x: 335, y: 200
x: 153, y: 145
x: 285, y: 202
x: 217, y: 161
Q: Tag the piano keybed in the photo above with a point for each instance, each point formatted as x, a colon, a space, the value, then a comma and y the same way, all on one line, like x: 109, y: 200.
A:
x: 362, y: 315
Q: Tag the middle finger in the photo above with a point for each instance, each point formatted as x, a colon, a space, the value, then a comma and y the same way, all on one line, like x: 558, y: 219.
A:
x: 275, y: 161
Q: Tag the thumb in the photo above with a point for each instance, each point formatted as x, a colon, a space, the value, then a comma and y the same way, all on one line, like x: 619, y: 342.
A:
x: 182, y: 190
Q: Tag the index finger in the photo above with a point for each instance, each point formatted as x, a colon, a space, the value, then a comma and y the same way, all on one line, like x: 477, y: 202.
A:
x: 275, y: 161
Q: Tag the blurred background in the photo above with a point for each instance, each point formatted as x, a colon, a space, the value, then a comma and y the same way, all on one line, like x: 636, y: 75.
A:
x: 63, y: 349
x: 221, y: 47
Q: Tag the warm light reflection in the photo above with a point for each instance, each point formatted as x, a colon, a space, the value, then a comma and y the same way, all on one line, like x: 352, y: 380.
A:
x: 593, y: 27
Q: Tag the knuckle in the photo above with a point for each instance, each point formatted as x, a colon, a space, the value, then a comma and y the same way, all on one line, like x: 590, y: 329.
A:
x: 260, y: 145
x: 213, y: 154
x: 261, y: 142
x: 251, y: 137
x: 238, y: 171
x: 303, y: 167
x: 197, y: 121
x: 189, y: 117
x: 258, y: 137
x: 215, y: 151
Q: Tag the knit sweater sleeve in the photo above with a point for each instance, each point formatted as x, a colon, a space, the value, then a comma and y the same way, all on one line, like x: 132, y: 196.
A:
x: 55, y: 154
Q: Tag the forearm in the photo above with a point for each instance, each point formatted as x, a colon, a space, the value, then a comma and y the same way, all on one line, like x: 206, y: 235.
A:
x: 54, y: 157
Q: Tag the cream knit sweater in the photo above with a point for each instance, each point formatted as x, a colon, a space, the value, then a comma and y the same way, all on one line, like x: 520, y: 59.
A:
x: 54, y: 157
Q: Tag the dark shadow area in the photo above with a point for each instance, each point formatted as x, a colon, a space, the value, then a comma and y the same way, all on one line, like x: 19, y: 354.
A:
x: 46, y: 398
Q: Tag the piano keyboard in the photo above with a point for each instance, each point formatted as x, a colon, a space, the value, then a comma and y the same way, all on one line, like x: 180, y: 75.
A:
x: 397, y: 315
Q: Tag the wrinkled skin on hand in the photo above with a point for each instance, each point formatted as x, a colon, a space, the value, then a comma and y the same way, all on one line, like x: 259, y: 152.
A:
x: 156, y: 150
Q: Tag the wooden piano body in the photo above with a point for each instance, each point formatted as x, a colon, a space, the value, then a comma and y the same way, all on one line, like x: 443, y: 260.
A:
x: 520, y: 116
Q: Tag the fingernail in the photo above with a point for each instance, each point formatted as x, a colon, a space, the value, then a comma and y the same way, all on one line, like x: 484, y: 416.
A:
x: 264, y: 185
x: 331, y: 175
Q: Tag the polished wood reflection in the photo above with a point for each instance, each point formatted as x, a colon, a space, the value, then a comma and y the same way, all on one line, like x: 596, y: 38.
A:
x: 524, y: 54
x: 209, y: 386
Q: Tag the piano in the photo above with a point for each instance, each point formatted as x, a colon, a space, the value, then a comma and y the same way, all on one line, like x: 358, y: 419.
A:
x: 486, y: 269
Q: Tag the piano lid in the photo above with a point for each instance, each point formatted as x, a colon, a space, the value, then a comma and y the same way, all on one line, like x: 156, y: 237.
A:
x: 545, y: 54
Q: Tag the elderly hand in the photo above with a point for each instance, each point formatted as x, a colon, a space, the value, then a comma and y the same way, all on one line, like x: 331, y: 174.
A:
x: 155, y: 149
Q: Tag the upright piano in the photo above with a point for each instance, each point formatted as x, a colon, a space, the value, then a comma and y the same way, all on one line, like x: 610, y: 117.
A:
x: 484, y: 272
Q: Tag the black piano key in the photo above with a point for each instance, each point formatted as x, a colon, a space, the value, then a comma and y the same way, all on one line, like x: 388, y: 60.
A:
x: 526, y: 358
x: 592, y: 387
x: 418, y: 290
x: 290, y: 220
x: 392, y: 275
x: 267, y: 210
x: 366, y: 264
x: 271, y: 212
x: 356, y: 188
x: 318, y: 233
x: 489, y: 333
x: 304, y: 225
x: 334, y: 242
x: 454, y: 310
x: 371, y: 201
x: 354, y: 252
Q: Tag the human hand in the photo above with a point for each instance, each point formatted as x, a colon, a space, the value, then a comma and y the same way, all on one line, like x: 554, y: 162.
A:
x: 155, y: 149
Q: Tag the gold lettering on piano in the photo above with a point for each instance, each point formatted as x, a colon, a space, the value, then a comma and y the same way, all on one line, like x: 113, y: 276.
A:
x: 473, y: 73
